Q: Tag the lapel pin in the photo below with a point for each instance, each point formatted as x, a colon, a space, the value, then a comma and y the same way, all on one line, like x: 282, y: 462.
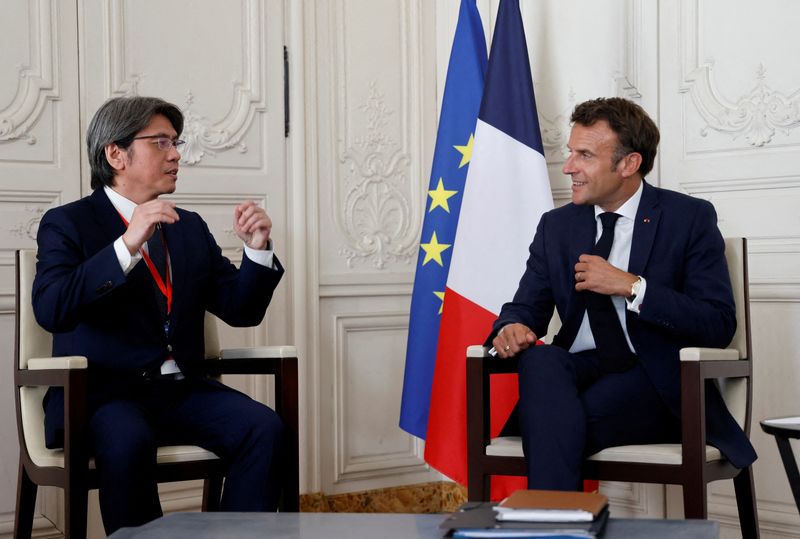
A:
x: 646, y: 219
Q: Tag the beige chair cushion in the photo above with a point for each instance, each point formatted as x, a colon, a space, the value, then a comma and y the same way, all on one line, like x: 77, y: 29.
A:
x: 33, y: 421
x: 511, y: 446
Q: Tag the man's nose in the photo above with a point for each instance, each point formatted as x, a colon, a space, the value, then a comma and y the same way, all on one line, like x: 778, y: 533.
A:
x: 568, y: 168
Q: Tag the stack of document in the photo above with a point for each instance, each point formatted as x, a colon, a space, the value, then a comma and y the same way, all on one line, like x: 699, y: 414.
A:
x: 532, y: 513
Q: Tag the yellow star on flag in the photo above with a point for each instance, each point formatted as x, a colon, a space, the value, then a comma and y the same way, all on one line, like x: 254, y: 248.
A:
x: 433, y: 250
x: 439, y: 295
x: 466, y: 151
x: 439, y: 197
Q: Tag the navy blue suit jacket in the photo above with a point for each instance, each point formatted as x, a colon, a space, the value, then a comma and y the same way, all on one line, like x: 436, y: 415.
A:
x: 82, y: 296
x: 679, y: 250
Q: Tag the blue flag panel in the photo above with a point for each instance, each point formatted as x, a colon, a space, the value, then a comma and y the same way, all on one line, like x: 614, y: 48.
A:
x: 460, y: 106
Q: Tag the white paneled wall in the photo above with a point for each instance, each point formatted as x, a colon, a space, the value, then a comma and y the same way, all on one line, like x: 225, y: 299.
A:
x: 346, y: 190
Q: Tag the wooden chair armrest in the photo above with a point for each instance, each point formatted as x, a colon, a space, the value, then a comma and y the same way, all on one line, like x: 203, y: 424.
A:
x: 68, y: 362
x: 698, y: 365
x: 715, y: 362
x: 709, y: 354
x: 52, y: 371
x: 259, y: 352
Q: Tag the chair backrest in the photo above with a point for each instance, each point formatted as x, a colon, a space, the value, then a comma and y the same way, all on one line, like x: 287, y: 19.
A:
x: 736, y: 256
x: 736, y: 391
x: 32, y: 340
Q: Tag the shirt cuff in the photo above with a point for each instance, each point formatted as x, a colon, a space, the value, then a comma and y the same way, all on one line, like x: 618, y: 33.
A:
x: 126, y: 260
x: 261, y: 257
x: 635, y: 304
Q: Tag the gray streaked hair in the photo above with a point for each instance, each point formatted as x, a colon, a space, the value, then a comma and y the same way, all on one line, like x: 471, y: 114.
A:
x: 118, y: 120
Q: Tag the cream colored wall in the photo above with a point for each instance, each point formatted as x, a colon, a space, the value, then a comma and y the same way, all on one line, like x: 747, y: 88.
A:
x: 366, y: 78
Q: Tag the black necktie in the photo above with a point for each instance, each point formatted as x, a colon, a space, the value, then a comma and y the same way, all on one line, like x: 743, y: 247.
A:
x: 156, y: 247
x: 609, y: 338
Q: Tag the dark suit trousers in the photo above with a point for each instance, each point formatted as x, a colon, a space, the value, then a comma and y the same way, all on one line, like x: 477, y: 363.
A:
x: 569, y: 409
x: 126, y: 432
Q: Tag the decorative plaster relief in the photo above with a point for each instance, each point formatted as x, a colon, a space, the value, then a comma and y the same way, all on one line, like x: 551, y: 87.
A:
x: 36, y: 85
x: 23, y: 211
x: 756, y: 114
x: 204, y: 137
x: 374, y: 213
x: 555, y: 132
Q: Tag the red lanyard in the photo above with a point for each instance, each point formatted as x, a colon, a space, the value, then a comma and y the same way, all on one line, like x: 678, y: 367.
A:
x: 165, y: 285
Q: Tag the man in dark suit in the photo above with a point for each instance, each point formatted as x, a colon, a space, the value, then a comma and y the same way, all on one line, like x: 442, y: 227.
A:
x: 636, y: 273
x: 125, y: 278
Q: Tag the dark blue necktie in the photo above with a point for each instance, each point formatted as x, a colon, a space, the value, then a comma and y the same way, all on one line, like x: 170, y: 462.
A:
x: 609, y: 338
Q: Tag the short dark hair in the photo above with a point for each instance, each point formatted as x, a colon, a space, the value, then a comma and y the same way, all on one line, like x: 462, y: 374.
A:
x: 635, y: 130
x: 118, y: 120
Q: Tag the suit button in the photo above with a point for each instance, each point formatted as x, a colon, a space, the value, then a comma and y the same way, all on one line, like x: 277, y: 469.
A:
x: 105, y: 287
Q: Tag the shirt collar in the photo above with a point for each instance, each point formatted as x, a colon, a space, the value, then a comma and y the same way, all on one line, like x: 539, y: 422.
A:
x: 123, y: 205
x: 629, y: 208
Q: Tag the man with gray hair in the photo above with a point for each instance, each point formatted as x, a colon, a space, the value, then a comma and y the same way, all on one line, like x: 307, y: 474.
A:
x: 125, y: 278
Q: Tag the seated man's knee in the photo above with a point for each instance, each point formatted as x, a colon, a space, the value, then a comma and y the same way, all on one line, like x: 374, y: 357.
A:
x: 122, y: 438
x: 542, y: 360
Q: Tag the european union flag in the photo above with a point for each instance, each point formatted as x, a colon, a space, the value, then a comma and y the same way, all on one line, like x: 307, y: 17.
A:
x: 460, y: 106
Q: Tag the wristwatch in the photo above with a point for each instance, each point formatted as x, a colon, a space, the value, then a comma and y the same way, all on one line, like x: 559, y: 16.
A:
x: 637, y: 284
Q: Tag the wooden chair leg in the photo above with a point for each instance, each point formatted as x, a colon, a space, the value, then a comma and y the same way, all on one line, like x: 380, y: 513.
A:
x: 746, y: 501
x: 478, y: 485
x: 76, y: 503
x: 290, y: 497
x: 212, y: 492
x: 26, y: 502
x: 694, y: 499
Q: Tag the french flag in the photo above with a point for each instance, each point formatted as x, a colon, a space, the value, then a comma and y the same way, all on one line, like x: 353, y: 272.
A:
x: 506, y: 192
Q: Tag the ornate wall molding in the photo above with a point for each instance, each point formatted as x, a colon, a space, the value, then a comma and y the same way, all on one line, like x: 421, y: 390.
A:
x: 628, y: 81
x: 755, y: 115
x: 741, y: 185
x: 377, y: 201
x: 30, y: 205
x: 373, y: 209
x: 394, y: 461
x: 555, y: 132
x: 203, y: 137
x: 36, y: 84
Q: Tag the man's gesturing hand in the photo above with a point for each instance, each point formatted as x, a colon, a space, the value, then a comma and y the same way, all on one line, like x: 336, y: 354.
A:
x: 252, y: 225
x: 144, y: 220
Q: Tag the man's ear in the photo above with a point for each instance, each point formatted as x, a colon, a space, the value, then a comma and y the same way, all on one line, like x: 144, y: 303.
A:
x: 115, y: 156
x: 630, y: 164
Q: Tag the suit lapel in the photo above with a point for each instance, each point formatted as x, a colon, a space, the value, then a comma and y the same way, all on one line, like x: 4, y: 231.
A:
x: 582, y: 234
x: 644, y: 230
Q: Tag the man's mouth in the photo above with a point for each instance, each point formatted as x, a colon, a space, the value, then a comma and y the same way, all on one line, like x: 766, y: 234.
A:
x: 576, y: 183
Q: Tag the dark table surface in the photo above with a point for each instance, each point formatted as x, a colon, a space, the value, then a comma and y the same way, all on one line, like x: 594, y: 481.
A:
x: 369, y: 525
